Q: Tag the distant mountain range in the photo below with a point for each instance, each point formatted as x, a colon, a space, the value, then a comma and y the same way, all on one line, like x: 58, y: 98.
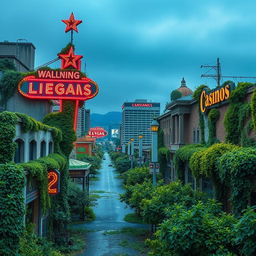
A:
x: 110, y: 120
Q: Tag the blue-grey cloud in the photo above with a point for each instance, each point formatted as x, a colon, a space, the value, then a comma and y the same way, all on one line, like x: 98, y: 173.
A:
x: 140, y: 48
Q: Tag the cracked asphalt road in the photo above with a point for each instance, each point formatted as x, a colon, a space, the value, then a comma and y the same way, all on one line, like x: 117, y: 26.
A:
x: 109, y: 217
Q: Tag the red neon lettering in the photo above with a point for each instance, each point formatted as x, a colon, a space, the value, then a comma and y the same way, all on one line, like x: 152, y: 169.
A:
x: 30, y: 89
x: 52, y: 183
x: 70, y: 90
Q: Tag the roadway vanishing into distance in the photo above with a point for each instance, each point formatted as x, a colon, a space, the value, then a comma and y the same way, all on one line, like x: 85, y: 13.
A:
x: 109, y: 213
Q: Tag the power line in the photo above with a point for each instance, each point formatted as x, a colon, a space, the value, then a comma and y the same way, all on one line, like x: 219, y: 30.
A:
x: 217, y: 76
x: 48, y: 63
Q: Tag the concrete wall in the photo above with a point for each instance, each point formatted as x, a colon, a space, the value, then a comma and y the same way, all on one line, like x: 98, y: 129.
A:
x: 23, y: 54
x: 34, y: 108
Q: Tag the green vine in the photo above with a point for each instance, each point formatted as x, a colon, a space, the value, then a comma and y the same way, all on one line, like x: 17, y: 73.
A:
x: 205, y: 163
x: 12, y: 182
x: 213, y: 117
x: 182, y: 157
x: 8, y: 121
x: 196, y: 96
x: 38, y: 170
x: 238, y: 169
x: 253, y: 109
x: 237, y: 114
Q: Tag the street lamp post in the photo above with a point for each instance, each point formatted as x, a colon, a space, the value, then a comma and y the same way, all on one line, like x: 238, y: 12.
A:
x: 129, y: 149
x: 132, y: 152
x: 140, y: 149
x: 154, y: 151
x: 123, y: 148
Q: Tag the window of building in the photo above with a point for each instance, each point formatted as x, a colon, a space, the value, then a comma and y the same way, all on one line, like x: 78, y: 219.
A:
x: 19, y: 153
x: 194, y: 136
x: 50, y: 147
x: 43, y: 149
x: 197, y: 136
x: 32, y: 150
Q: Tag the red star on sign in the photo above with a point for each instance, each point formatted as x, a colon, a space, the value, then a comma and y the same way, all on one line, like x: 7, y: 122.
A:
x: 71, y: 23
x: 70, y: 59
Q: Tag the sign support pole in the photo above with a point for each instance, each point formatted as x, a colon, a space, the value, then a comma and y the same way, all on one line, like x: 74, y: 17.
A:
x: 76, y: 114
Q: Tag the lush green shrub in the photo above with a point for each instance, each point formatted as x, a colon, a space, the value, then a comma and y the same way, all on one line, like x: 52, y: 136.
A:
x: 164, y: 197
x: 136, y: 175
x: 201, y: 230
x: 135, y: 194
x: 77, y: 200
x: 32, y: 245
x: 89, y: 214
x: 12, y: 182
x: 245, y: 233
x: 95, y: 162
x: 238, y: 169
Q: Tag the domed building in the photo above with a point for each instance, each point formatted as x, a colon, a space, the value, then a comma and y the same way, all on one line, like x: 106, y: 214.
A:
x: 185, y: 91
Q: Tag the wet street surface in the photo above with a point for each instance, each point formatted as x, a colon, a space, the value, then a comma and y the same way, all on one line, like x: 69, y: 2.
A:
x: 109, y: 234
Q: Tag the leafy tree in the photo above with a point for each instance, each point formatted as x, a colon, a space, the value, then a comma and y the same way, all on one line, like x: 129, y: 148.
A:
x: 175, y: 94
x: 6, y: 64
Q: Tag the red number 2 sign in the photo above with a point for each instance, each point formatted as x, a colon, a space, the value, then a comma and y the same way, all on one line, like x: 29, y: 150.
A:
x: 53, y: 182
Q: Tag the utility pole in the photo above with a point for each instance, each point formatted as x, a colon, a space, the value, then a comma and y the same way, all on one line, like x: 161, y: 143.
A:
x: 217, y: 68
x: 217, y: 76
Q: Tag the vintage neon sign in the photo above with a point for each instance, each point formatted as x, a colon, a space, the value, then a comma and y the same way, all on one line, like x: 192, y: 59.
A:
x: 64, y: 84
x: 145, y: 105
x: 97, y: 132
x: 208, y: 99
x: 47, y: 85
x: 53, y: 182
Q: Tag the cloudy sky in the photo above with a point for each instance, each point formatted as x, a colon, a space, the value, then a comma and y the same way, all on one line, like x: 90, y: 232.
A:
x: 140, y: 48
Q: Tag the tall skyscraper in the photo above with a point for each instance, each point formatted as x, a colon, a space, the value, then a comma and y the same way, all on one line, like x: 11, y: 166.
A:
x: 83, y: 122
x: 136, y: 119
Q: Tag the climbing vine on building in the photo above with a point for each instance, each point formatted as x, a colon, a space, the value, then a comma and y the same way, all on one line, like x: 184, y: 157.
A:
x: 196, y: 96
x: 12, y: 210
x: 182, y: 156
x: 238, y: 113
x: 213, y: 117
x: 238, y: 170
x: 205, y: 163
x: 253, y: 109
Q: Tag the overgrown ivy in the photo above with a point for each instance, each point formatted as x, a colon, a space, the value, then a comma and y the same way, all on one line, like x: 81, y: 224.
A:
x: 38, y: 170
x: 213, y: 117
x: 60, y: 214
x: 182, y: 156
x: 237, y: 115
x: 8, y: 121
x: 238, y: 170
x: 205, y: 163
x: 196, y: 96
x: 12, y: 210
x: 253, y: 109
